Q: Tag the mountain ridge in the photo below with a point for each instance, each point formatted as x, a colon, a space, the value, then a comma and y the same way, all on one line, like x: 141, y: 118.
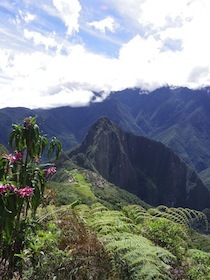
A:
x: 179, y: 118
x: 142, y: 166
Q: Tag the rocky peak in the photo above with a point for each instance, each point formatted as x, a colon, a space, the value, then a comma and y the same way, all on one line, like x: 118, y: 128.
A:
x: 142, y: 166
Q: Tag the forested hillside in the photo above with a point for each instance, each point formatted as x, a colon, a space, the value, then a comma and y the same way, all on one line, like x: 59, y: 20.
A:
x: 59, y: 221
x: 140, y: 165
x: 179, y: 118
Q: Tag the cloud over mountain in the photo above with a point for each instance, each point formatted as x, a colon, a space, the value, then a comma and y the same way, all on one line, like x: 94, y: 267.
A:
x: 73, y: 48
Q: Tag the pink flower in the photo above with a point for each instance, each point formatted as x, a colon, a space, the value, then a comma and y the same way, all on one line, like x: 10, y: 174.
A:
x: 10, y: 157
x: 2, y: 189
x: 18, y: 155
x: 25, y: 192
x: 7, y: 188
x: 11, y: 188
x: 13, y: 158
x: 50, y: 171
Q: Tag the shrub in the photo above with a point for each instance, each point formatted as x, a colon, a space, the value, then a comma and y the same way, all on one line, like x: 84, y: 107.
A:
x: 22, y: 184
x: 199, y: 264
x: 168, y: 235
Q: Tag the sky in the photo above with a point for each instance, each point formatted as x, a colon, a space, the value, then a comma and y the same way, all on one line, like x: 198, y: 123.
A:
x: 60, y: 52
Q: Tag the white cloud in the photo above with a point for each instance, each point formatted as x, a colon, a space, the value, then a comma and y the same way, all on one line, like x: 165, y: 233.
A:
x: 27, y: 17
x: 105, y: 24
x: 69, y: 13
x: 65, y: 96
x: 168, y: 44
x: 41, y: 80
x: 39, y: 39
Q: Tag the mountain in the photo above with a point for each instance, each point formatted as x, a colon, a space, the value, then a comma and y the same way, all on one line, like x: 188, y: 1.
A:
x: 69, y: 124
x: 142, y: 166
x: 177, y: 117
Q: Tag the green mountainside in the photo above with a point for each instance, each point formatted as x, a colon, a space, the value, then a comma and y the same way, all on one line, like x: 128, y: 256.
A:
x: 73, y: 184
x: 106, y: 233
x: 140, y: 165
x: 87, y: 228
x: 179, y: 118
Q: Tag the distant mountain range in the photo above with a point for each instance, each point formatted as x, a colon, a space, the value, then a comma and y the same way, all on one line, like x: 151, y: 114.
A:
x: 179, y: 118
x: 142, y: 166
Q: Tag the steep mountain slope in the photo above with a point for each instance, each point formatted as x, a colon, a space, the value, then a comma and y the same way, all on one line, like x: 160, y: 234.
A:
x: 179, y: 118
x: 70, y: 124
x: 142, y: 166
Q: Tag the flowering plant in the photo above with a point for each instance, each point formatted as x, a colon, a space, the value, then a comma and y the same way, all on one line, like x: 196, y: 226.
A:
x: 22, y: 184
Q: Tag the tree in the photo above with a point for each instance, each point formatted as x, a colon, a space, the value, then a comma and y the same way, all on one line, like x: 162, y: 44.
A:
x: 22, y: 184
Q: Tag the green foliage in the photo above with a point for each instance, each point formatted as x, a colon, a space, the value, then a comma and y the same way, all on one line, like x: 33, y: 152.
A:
x: 200, y: 241
x: 114, y: 239
x: 168, y: 235
x: 199, y: 265
x: 54, y: 147
x: 136, y: 212
x: 3, y: 149
x: 115, y: 197
x: 137, y: 258
x: 105, y: 222
x: 83, y: 211
x: 188, y: 218
x: 167, y: 230
x: 71, y: 183
x: 133, y: 256
x: 64, y: 248
x: 42, y: 258
x: 63, y: 194
x: 22, y: 185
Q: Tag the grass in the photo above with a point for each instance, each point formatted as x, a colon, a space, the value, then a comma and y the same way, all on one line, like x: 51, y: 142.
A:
x: 83, y: 187
x: 68, y: 192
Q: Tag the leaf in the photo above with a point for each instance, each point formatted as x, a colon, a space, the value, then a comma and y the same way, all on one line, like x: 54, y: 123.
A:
x: 55, y: 146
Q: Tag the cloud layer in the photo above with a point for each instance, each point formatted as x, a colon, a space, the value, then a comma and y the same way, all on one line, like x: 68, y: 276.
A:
x: 60, y: 52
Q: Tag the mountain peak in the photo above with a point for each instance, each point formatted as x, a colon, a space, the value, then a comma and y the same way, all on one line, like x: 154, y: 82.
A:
x: 142, y: 166
x: 103, y: 122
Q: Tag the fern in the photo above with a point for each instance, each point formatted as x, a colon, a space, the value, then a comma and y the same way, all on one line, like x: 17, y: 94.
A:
x: 159, y: 253
x: 110, y: 222
x: 133, y: 256
x: 137, y: 213
x: 184, y: 216
x: 98, y: 207
x: 83, y: 211
x: 198, y: 219
x: 140, y: 258
x: 76, y: 252
x: 167, y: 234
x: 199, y: 265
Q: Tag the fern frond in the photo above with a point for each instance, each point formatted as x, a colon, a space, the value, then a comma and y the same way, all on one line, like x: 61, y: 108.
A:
x: 110, y: 222
x: 142, y: 259
x: 82, y: 210
x: 186, y: 217
x: 136, y: 212
x: 97, y: 208
x: 155, y: 212
x: 196, y: 217
x: 199, y: 267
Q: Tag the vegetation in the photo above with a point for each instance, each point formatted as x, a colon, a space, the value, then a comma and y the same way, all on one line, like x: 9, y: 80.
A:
x: 22, y: 184
x: 79, y: 226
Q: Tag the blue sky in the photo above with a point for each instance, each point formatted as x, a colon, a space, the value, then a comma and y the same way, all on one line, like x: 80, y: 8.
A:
x: 58, y: 52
